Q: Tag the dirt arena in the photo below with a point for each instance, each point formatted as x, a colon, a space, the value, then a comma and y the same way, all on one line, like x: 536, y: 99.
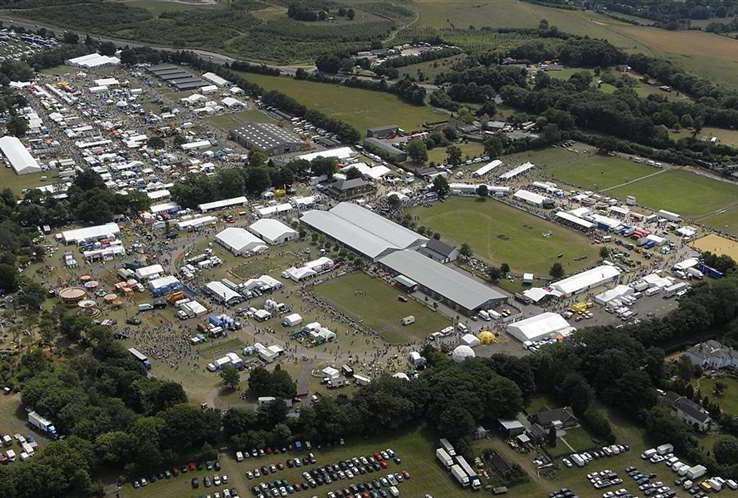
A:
x: 717, y: 245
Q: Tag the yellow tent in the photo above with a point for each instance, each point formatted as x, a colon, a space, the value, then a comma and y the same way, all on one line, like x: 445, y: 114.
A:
x: 486, y: 337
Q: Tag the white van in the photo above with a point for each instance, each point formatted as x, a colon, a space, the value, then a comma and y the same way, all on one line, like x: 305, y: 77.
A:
x: 145, y: 307
x: 462, y: 327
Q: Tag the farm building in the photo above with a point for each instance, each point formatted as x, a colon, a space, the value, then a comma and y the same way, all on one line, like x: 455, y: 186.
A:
x: 712, y: 354
x: 18, y: 156
x: 93, y: 60
x: 339, y: 153
x: 267, y: 137
x: 540, y: 327
x: 87, y: 234
x: 239, y: 241
x: 362, y: 230
x: 456, y: 289
x: 440, y: 251
x: 272, y: 231
x: 586, y: 280
x: 164, y: 285
x: 383, y: 131
x: 215, y: 79
x: 385, y: 150
x: 345, y: 190
x: 569, y: 219
x: 149, y: 272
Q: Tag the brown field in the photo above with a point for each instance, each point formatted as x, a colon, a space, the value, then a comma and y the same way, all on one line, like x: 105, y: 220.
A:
x: 717, y: 245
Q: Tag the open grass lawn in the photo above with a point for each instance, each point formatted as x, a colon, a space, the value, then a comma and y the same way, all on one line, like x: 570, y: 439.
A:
x: 13, y: 420
x: 579, y: 439
x: 726, y: 137
x: 376, y: 304
x: 583, y: 169
x: 468, y: 151
x: 729, y: 400
x: 705, y: 54
x: 361, y: 108
x: 17, y: 183
x: 681, y: 191
x: 725, y: 220
x: 236, y: 119
x: 430, y: 69
x: 502, y: 234
x: 157, y: 7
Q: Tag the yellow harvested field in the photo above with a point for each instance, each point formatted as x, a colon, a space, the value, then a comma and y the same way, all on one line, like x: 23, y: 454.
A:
x: 717, y: 245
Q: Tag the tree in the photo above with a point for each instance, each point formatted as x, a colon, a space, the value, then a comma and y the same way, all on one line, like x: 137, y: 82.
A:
x: 505, y: 268
x: 106, y: 48
x: 726, y: 450
x: 465, y: 250
x: 576, y: 392
x: 70, y: 38
x: 483, y: 191
x: 556, y: 271
x: 17, y: 126
x: 455, y: 422
x: 494, y: 273
x: 440, y: 186
x: 260, y: 381
x: 257, y: 158
x: 417, y: 151
x: 604, y: 252
x: 494, y: 147
x: 32, y: 295
x: 453, y: 155
x: 8, y: 278
x: 394, y: 201
x: 328, y: 63
x: 230, y: 376
x: 257, y: 180
x: 155, y: 142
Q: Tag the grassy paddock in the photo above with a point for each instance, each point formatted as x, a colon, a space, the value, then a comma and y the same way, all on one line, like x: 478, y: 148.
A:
x: 361, y: 108
x: 468, y: 150
x: 17, y: 183
x: 729, y: 400
x: 377, y: 305
x: 502, y: 234
x: 681, y: 191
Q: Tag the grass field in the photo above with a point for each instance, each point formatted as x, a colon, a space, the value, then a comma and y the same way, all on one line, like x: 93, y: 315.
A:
x: 729, y: 400
x: 708, y: 55
x: 468, y: 151
x: 361, y: 108
x: 680, y: 191
x: 429, y: 69
x: 501, y: 234
x: 583, y: 169
x: 16, y: 183
x: 376, y: 304
x: 726, y: 137
x: 725, y: 220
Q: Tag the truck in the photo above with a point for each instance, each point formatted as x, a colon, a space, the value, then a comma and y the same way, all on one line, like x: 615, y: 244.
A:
x: 665, y: 449
x: 696, y: 472
x: 362, y: 380
x: 42, y: 424
x: 448, y: 447
x: 460, y: 475
x: 673, y: 289
x: 444, y: 458
x: 474, y: 480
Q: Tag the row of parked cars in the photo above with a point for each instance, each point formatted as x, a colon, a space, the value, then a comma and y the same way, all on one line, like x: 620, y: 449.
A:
x: 175, y: 472
x: 225, y: 493
x: 28, y: 447
x: 208, y: 481
x: 378, y: 488
x: 582, y: 459
x: 647, y: 485
x: 259, y: 452
x: 265, y: 470
x: 604, y: 479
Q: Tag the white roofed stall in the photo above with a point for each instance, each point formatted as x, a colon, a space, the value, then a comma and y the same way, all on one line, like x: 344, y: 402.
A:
x: 539, y: 327
x: 223, y: 203
x: 273, y: 231
x: 97, y: 232
x: 588, y: 279
x: 519, y: 170
x: 578, y: 222
x: 487, y: 168
x: 18, y: 156
x: 239, y: 241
